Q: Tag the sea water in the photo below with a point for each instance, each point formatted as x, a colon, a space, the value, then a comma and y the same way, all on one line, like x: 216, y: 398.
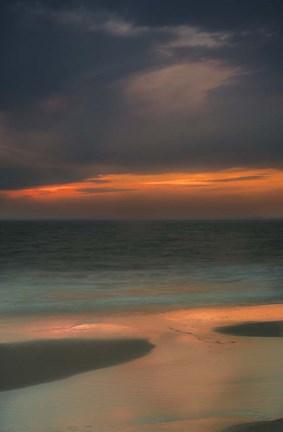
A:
x: 97, y: 266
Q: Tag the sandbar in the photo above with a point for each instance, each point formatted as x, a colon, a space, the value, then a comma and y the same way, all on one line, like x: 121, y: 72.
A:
x: 263, y: 426
x: 24, y: 364
x: 254, y: 329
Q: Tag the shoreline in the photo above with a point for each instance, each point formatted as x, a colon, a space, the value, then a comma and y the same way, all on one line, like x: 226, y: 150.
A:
x: 190, y: 359
x: 142, y: 324
x: 231, y: 313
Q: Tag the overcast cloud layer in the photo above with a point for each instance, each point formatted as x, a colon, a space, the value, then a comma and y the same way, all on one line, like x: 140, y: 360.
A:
x: 137, y: 86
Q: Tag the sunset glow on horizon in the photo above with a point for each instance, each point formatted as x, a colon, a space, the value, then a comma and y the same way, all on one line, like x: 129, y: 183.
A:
x: 118, y: 194
x: 248, y: 181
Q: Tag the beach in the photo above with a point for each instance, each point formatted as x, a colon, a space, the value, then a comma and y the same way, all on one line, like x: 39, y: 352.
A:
x: 170, y: 326
x: 142, y: 372
x: 141, y: 216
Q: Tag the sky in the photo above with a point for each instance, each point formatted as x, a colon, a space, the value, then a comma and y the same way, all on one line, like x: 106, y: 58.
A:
x: 141, y: 109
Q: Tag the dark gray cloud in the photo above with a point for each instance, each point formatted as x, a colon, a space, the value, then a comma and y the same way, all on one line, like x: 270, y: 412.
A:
x: 242, y: 178
x: 97, y: 87
x: 93, y: 190
x: 97, y: 181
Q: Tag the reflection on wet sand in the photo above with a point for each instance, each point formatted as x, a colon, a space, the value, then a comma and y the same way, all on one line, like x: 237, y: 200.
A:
x: 256, y: 329
x: 29, y: 363
x: 195, y: 379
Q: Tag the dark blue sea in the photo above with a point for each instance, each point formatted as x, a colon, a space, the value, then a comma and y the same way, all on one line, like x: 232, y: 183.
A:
x: 84, y: 266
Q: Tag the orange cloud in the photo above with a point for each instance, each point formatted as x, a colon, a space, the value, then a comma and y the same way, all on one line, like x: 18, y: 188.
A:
x: 233, y: 180
x: 230, y: 193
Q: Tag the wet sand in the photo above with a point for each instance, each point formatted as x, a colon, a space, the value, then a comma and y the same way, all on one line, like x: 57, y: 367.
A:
x: 26, y: 364
x: 256, y: 329
x: 266, y: 426
x: 195, y: 378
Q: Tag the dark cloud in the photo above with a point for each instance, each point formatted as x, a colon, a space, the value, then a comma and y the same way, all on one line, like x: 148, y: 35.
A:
x: 93, y: 190
x: 230, y: 14
x: 104, y: 86
x: 242, y: 178
x: 225, y: 14
x: 97, y: 181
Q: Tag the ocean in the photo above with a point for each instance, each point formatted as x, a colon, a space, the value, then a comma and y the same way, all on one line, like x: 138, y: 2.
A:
x: 51, y: 267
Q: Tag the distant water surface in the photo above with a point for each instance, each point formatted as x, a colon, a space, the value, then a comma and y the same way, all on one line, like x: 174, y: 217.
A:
x: 76, y: 266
